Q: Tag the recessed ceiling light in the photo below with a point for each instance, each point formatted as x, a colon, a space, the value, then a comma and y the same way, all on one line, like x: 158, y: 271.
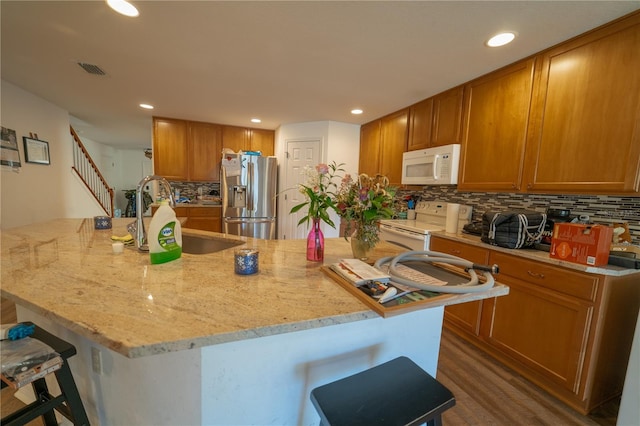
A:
x: 256, y: 120
x: 123, y: 7
x: 146, y: 106
x: 501, y: 39
x: 356, y: 111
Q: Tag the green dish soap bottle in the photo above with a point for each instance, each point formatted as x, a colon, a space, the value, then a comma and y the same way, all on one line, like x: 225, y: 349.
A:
x: 165, y: 235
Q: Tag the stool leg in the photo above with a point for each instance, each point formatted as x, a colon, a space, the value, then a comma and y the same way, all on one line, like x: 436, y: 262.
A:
x: 436, y: 421
x: 70, y: 391
x: 42, y: 395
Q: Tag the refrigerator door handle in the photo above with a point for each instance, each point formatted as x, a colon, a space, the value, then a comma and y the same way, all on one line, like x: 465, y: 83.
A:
x: 223, y: 188
x: 252, y: 220
x: 250, y: 200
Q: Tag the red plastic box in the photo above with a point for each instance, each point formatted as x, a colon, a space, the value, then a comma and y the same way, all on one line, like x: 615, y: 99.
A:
x: 578, y: 243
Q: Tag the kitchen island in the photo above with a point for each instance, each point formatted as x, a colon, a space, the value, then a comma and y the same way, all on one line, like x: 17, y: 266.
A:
x: 191, y: 342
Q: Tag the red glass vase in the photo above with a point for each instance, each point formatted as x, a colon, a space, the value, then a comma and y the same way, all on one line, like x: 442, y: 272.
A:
x: 315, y: 242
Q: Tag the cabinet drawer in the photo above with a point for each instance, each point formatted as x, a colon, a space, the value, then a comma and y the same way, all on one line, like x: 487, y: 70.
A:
x: 555, y: 278
x: 465, y: 251
x: 204, y: 212
x: 204, y: 224
x: 181, y: 211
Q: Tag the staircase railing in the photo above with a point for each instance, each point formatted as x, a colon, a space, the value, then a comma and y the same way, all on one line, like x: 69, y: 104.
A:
x: 90, y: 175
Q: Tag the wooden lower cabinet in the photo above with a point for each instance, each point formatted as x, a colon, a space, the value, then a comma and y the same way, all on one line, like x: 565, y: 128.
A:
x: 201, y: 218
x: 567, y: 331
x: 204, y: 219
x: 541, y: 329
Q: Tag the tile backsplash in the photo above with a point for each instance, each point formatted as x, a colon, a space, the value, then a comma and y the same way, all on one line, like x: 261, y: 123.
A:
x: 604, y: 209
x: 190, y: 189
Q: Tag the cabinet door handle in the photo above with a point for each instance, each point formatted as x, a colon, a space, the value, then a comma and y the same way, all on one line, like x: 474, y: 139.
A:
x: 535, y: 274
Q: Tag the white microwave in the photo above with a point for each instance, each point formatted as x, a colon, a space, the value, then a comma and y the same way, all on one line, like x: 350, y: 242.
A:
x: 431, y: 166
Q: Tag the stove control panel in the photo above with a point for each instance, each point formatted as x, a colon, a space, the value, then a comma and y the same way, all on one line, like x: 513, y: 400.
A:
x: 435, y: 212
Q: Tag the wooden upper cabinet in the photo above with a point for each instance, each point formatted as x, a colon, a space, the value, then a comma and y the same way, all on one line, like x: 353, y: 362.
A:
x: 585, y: 133
x: 263, y: 141
x: 436, y: 121
x: 420, y: 121
x: 235, y: 138
x: 496, y: 115
x: 186, y: 150
x: 170, y: 148
x: 205, y: 147
x: 393, y: 143
x: 447, y: 117
x: 247, y: 139
x: 369, y: 148
x: 382, y: 143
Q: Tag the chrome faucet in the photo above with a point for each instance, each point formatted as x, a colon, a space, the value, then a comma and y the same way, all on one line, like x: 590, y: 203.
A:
x: 137, y: 228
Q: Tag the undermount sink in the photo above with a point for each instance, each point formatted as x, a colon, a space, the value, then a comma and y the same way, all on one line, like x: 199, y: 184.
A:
x: 202, y: 244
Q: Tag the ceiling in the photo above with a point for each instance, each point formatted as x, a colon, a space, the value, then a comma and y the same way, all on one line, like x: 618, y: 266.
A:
x: 284, y: 62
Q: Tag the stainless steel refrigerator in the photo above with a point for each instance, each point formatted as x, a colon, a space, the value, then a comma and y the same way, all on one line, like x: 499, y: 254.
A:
x: 248, y: 185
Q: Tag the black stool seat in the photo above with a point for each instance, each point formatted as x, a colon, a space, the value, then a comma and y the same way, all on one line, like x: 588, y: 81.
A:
x: 397, y: 392
x: 68, y: 403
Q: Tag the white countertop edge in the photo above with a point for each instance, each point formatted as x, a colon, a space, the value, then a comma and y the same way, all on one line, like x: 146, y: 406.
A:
x: 175, y: 346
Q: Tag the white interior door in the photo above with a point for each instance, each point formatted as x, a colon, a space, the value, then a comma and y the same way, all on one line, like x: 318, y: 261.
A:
x: 300, y: 153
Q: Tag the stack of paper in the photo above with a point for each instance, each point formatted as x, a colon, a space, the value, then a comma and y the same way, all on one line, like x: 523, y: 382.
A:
x: 358, y: 272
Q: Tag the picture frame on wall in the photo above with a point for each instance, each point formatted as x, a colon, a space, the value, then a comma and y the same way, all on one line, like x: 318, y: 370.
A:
x: 9, y: 154
x: 36, y: 151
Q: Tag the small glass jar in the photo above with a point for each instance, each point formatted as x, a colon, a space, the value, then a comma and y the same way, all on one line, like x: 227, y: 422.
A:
x: 246, y: 261
x: 102, y: 222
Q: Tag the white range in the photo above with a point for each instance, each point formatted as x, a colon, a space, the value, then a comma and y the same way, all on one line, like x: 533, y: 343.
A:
x: 415, y: 234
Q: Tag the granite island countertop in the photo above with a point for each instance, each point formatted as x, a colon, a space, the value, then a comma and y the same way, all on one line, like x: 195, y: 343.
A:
x: 66, y: 271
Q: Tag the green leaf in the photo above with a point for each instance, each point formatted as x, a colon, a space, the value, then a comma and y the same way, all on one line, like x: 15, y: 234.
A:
x: 298, y: 207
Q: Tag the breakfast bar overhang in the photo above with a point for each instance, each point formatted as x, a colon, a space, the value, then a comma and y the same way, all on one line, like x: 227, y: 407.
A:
x: 189, y: 341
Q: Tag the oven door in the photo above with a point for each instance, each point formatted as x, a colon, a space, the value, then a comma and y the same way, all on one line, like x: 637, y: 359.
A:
x: 403, y: 238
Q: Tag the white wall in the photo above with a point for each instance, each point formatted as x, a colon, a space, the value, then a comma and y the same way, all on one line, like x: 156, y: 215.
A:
x: 345, y: 145
x: 629, y: 413
x: 37, y: 193
x: 340, y: 143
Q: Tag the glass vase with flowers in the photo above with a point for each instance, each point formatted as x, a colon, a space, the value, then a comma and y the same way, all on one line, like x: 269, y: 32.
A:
x: 361, y: 203
x: 319, y: 193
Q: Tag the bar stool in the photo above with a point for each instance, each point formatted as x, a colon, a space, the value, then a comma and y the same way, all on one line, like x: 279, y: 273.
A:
x: 68, y: 403
x: 397, y: 392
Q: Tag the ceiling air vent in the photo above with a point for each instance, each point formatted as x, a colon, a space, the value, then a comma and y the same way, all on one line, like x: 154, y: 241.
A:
x: 92, y: 69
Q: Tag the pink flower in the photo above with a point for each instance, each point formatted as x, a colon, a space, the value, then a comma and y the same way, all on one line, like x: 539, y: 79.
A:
x: 322, y: 168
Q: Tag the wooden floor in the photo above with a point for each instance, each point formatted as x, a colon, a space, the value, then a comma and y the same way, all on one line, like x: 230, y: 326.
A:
x: 488, y: 393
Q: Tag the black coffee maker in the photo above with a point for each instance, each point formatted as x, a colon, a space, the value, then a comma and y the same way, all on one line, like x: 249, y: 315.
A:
x: 554, y: 215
